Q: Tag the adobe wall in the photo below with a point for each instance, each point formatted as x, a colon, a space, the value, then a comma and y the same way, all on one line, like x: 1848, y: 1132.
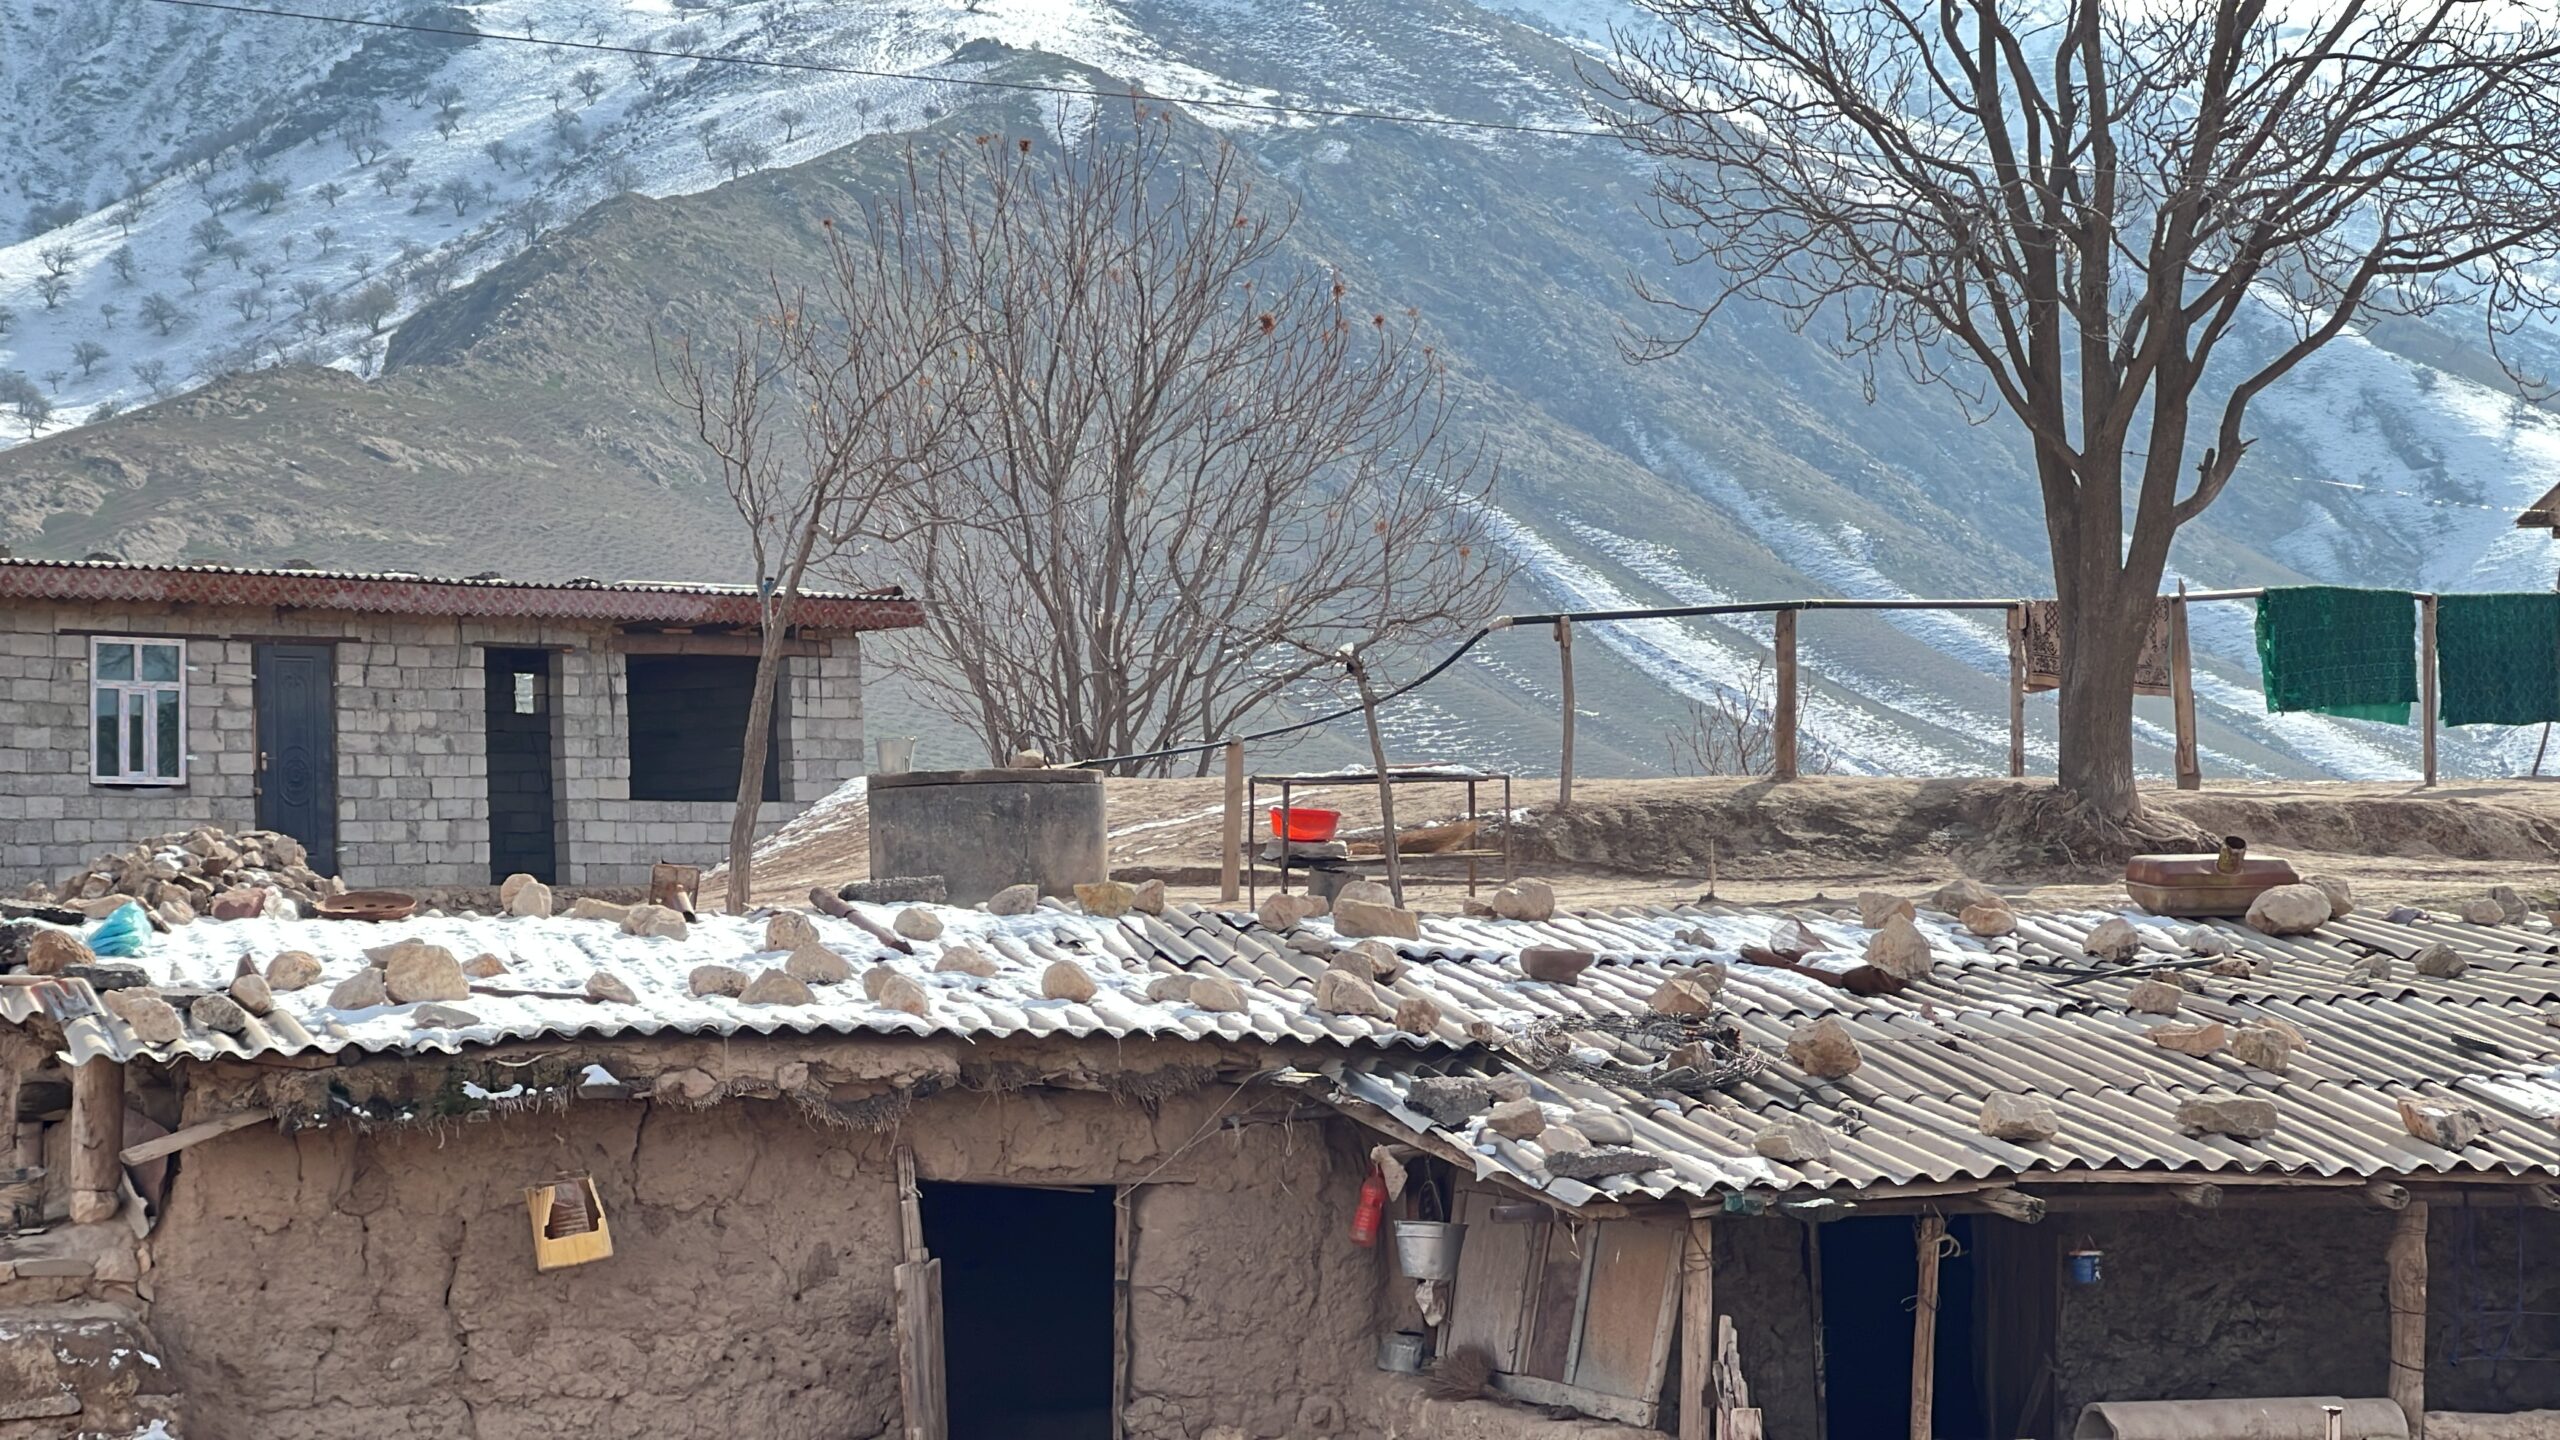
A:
x: 332, y: 1284
x: 2291, y: 1302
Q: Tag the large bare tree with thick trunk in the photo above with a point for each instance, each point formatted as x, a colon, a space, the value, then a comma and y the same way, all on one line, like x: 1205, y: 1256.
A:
x: 824, y: 411
x: 1197, y: 467
x: 2117, y: 223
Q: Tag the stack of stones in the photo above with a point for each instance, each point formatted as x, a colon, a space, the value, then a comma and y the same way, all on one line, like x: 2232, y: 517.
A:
x: 196, y: 872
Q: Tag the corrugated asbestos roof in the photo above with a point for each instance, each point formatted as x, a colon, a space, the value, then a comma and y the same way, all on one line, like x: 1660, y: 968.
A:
x: 2015, y: 1015
x: 116, y: 582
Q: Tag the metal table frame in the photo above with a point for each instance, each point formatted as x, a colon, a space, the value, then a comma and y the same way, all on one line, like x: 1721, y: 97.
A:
x: 1288, y: 785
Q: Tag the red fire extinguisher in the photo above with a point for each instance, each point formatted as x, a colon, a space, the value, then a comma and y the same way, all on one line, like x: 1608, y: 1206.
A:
x: 1372, y: 1209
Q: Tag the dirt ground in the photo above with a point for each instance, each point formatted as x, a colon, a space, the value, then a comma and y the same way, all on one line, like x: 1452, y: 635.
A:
x: 1759, y: 841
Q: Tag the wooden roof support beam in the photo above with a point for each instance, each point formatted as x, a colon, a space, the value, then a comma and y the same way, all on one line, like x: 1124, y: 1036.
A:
x: 1697, y: 1330
x: 2010, y: 1204
x: 97, y: 1133
x: 2384, y: 1195
x: 2198, y: 1197
x: 2407, y: 1258
x: 1932, y: 1235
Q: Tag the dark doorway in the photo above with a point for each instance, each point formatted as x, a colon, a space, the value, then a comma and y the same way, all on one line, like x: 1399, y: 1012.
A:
x: 1870, y: 1280
x: 1027, y: 1315
x: 521, y: 818
x: 297, y: 773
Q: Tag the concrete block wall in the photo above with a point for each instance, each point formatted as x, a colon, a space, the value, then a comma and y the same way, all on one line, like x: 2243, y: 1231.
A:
x: 413, y: 796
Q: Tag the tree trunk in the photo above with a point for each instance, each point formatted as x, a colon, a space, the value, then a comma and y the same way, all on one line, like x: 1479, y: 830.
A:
x: 759, y: 742
x: 2103, y: 628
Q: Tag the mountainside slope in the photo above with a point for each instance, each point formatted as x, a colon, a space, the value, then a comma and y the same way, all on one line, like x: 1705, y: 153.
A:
x: 513, y: 422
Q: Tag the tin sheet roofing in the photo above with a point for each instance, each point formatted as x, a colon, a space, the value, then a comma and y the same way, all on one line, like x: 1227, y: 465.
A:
x: 116, y: 582
x: 2026, y: 1014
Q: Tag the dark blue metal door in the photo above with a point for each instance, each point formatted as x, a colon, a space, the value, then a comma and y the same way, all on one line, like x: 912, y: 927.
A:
x: 298, y: 747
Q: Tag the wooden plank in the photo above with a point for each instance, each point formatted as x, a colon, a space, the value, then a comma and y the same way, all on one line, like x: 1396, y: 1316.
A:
x: 1932, y: 1232
x: 1555, y: 1299
x: 1491, y: 1290
x: 1697, y: 1330
x: 2407, y: 1257
x: 1231, y: 860
x: 910, y: 1206
x: 2182, y: 695
x: 1821, y: 1348
x: 1573, y: 1397
x: 1564, y: 662
x: 1124, y: 1241
x: 921, y: 1389
x: 97, y: 1134
x: 2017, y: 692
x: 654, y: 644
x: 2427, y: 727
x: 1784, y: 648
x: 1633, y: 1296
x: 196, y: 1134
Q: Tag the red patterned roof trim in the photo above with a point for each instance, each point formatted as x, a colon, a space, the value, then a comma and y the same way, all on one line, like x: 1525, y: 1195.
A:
x: 118, y: 583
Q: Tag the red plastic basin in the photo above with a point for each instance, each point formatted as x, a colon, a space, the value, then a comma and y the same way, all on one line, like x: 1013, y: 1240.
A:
x: 1305, y: 824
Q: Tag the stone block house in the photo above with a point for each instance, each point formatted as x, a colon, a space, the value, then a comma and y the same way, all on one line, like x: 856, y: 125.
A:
x: 410, y: 731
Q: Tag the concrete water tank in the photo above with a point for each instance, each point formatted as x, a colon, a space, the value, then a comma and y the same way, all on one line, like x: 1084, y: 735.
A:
x: 982, y: 830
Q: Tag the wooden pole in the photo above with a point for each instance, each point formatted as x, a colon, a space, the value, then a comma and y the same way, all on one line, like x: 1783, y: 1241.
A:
x: 2408, y: 1297
x: 2182, y: 694
x: 1924, y: 1328
x: 97, y: 1133
x: 1386, y: 792
x: 923, y: 1394
x: 1697, y: 1331
x: 1231, y: 865
x: 1783, y: 646
x: 2017, y: 692
x: 1564, y: 659
x: 2427, y: 697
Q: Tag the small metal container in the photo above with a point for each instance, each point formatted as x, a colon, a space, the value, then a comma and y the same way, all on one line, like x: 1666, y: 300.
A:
x: 1428, y: 1249
x: 1401, y: 1353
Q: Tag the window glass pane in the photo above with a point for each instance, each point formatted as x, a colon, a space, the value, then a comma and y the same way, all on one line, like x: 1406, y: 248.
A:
x: 159, y: 662
x: 134, y: 763
x: 524, y: 692
x: 172, y: 744
x: 105, y: 712
x: 115, y: 662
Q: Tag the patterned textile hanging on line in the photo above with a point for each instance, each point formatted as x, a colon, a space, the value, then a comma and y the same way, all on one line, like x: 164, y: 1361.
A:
x: 2044, y: 650
x: 2498, y: 658
x: 2333, y: 650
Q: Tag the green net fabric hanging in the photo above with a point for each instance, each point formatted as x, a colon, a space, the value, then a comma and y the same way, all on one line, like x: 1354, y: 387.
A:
x: 2332, y: 650
x: 2498, y: 659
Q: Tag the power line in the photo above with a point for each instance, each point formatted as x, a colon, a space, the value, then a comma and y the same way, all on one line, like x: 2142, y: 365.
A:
x: 1260, y: 107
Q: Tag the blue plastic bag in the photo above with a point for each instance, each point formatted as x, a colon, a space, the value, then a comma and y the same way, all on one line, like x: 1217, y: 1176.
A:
x: 121, y: 935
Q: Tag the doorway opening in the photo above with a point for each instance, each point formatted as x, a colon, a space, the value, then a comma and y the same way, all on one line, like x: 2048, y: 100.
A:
x: 1870, y: 1281
x: 1027, y: 1309
x: 522, y: 817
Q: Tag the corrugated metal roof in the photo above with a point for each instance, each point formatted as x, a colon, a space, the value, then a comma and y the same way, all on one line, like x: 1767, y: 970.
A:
x: 2017, y: 1015
x: 117, y: 582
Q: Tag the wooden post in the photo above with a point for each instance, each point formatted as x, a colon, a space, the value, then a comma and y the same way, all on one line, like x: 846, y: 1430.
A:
x: 1231, y: 865
x: 1924, y: 1328
x: 1124, y: 1244
x: 1783, y: 646
x: 2017, y: 692
x: 922, y: 1392
x: 2408, y: 1296
x: 2182, y: 694
x: 1564, y: 658
x: 1697, y: 1331
x: 97, y: 1134
x: 2427, y: 703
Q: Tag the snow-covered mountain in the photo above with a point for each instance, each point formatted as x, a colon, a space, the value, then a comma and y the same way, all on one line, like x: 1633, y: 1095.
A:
x: 225, y: 207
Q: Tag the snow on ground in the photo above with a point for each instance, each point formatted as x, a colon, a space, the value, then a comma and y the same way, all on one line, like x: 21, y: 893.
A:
x: 313, y: 249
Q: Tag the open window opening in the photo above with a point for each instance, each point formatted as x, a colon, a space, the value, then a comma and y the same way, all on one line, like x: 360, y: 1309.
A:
x: 1027, y: 1316
x: 688, y: 717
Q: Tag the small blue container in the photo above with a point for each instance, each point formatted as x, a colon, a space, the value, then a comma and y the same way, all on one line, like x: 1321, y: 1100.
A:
x: 2084, y: 1267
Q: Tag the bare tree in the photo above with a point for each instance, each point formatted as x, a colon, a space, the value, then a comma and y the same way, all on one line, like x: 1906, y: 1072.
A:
x: 59, y: 258
x: 457, y: 192
x: 120, y: 260
x: 154, y: 375
x: 792, y: 118
x: 1735, y: 732
x: 1202, y: 469
x: 8, y: 321
x: 740, y: 156
x: 26, y: 400
x: 51, y: 288
x: 589, y: 80
x: 824, y: 413
x: 373, y: 305
x: 330, y: 193
x: 86, y: 354
x: 2118, y: 224
x: 210, y: 235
